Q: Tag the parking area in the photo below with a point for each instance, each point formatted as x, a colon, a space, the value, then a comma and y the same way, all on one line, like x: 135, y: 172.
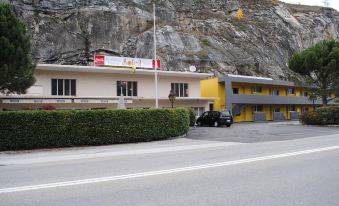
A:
x: 260, y: 132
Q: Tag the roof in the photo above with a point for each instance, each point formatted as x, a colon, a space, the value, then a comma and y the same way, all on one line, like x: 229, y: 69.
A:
x: 249, y: 77
x: 257, y: 80
x: 111, y: 70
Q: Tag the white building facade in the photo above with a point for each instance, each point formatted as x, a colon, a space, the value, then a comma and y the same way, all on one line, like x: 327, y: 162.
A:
x: 89, y: 87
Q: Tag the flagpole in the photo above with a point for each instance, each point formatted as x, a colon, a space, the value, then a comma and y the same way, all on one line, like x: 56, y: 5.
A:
x: 155, y: 59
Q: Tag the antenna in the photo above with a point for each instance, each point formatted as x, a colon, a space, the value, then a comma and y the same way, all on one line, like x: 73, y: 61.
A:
x: 326, y: 3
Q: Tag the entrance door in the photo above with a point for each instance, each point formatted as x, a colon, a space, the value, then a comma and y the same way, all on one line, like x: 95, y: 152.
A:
x: 211, y: 107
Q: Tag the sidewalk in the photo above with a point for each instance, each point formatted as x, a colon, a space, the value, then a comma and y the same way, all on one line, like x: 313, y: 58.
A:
x: 75, y: 153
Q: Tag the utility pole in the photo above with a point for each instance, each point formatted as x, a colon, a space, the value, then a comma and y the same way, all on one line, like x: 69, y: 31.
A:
x: 155, y: 59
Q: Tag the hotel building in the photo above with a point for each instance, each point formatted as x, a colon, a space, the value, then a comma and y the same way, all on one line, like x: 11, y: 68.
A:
x: 90, y: 87
x: 258, y: 99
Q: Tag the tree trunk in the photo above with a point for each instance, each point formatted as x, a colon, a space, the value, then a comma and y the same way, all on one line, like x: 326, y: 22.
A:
x: 325, y: 101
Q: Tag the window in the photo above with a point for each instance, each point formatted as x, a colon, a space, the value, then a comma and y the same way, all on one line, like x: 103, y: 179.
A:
x: 257, y: 90
x: 128, y: 88
x: 180, y: 89
x: 290, y: 91
x: 275, y: 92
x: 291, y: 108
x: 198, y: 110
x: 306, y: 94
x: 258, y: 108
x: 235, y: 90
x: 63, y: 87
x: 276, y: 110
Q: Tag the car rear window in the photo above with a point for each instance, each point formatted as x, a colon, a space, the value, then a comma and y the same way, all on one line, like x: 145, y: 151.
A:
x: 225, y: 113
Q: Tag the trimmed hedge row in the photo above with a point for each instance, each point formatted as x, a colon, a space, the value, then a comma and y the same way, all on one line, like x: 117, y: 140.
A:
x: 192, y: 116
x: 321, y: 116
x: 50, y: 129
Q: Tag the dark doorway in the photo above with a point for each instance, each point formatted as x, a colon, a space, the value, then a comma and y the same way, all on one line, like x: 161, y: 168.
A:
x: 211, y: 107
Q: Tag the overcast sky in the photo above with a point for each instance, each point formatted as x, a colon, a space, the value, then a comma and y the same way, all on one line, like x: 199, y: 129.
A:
x: 333, y: 3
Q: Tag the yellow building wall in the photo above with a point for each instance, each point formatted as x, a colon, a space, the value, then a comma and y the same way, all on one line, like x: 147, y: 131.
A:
x: 212, y: 88
x: 267, y: 110
x: 246, y: 114
x: 222, y: 96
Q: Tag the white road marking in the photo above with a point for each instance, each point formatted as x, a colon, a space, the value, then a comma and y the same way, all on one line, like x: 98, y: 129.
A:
x: 162, y: 172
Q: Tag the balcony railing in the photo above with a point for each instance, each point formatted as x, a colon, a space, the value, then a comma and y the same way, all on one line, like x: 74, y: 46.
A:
x: 260, y: 99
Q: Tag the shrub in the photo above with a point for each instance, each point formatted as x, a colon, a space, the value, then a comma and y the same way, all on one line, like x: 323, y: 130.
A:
x: 310, y: 118
x: 321, y: 116
x: 50, y: 129
x: 329, y: 114
x: 192, y: 116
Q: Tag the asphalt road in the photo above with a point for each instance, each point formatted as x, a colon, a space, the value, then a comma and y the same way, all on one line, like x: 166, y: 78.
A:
x: 205, y: 169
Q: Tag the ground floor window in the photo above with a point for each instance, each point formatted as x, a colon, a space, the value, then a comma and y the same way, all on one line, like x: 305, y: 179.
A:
x: 258, y: 108
x: 276, y: 110
x: 198, y: 110
x: 292, y: 109
x: 63, y: 87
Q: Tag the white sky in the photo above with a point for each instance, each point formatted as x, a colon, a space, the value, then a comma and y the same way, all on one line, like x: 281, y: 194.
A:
x: 333, y: 3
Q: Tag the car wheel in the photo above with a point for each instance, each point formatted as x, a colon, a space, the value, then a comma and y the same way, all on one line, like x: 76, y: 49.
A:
x: 199, y: 124
x: 228, y: 125
x: 216, y: 124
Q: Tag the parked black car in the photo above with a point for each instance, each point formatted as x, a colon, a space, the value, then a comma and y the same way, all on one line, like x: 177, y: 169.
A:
x: 216, y: 119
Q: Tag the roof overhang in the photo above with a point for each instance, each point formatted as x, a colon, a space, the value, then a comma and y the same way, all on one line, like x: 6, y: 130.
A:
x: 256, y: 80
x: 111, y: 70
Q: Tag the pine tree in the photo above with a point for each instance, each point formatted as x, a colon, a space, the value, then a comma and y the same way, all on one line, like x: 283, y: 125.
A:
x: 319, y: 65
x: 16, y: 67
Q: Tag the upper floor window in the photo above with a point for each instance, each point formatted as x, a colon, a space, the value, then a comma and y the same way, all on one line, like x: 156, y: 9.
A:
x: 64, y: 87
x: 306, y: 94
x: 127, y: 88
x: 235, y: 90
x: 290, y: 91
x: 180, y: 89
x: 257, y: 89
x: 275, y: 92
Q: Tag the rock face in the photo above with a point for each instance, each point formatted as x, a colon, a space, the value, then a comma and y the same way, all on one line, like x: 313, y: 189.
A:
x: 204, y: 33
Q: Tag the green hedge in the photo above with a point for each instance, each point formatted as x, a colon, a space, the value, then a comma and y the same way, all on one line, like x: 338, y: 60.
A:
x: 321, y: 116
x: 50, y: 129
x: 192, y: 116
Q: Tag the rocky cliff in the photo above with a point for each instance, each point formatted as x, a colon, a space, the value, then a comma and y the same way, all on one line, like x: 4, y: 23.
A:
x: 204, y: 33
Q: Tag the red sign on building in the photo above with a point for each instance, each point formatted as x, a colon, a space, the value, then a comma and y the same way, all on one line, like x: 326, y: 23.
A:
x: 99, y: 60
x: 156, y: 63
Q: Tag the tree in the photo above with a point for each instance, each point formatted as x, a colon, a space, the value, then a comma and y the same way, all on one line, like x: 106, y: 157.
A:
x: 240, y: 14
x: 16, y: 67
x: 319, y: 67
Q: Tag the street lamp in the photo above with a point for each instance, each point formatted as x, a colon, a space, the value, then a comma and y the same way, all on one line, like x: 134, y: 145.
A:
x: 171, y: 97
x: 121, y: 101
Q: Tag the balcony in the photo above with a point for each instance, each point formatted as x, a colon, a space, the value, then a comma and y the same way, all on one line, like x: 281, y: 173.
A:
x: 260, y: 99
